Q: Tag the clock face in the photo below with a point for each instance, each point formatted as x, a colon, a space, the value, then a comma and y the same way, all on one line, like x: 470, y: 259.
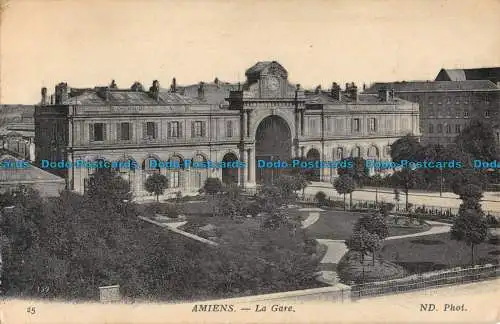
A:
x: 273, y: 83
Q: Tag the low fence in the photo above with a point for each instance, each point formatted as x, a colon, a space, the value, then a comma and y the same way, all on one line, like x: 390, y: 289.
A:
x: 400, y: 207
x: 430, y: 280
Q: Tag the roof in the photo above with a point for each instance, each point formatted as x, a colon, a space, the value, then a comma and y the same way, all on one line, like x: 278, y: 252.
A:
x: 128, y: 97
x: 213, y: 93
x: 414, y: 86
x: 31, y: 174
x: 324, y: 98
x: 491, y: 74
x: 258, y: 67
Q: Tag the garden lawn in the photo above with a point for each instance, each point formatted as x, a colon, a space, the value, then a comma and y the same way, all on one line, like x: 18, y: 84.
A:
x: 436, y: 252
x: 333, y: 225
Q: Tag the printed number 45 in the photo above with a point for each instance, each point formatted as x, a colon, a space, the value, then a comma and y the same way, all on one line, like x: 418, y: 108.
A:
x: 31, y: 310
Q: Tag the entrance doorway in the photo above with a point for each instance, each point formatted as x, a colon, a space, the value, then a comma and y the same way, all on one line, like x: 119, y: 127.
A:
x: 273, y: 142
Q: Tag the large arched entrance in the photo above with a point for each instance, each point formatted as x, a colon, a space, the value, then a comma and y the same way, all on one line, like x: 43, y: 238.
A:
x: 273, y: 141
x: 230, y: 175
x: 313, y: 174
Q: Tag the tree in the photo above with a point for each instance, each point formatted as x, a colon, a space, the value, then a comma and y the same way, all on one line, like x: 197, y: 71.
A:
x: 468, y: 190
x: 363, y: 242
x: 344, y: 185
x: 405, y: 148
x: 470, y: 226
x: 478, y: 140
x: 231, y: 203
x: 374, y: 224
x: 212, y: 187
x: 359, y: 172
x: 406, y: 179
x: 320, y: 197
x: 301, y: 176
x: 156, y: 184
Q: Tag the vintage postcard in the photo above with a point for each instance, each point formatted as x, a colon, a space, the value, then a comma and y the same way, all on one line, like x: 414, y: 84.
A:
x: 250, y: 161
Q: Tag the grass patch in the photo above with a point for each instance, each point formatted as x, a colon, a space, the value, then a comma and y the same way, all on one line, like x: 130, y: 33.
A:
x: 436, y: 252
x: 335, y: 225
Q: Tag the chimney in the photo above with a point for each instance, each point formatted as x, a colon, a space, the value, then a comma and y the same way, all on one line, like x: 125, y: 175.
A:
x: 61, y: 93
x: 201, y: 90
x: 364, y: 86
x: 217, y: 82
x: 318, y: 89
x: 383, y: 94
x: 113, y: 85
x: 391, y: 94
x: 51, y: 99
x: 137, y: 86
x: 353, y: 92
x: 335, y: 92
x: 154, y: 90
x: 173, y: 86
x: 44, y: 96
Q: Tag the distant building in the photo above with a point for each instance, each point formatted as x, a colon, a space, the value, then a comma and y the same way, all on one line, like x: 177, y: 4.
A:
x: 18, y: 137
x: 15, y: 173
x: 447, y: 107
x: 490, y: 74
x: 265, y: 118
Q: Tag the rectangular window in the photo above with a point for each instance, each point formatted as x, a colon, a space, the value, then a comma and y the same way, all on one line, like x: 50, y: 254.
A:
x: 431, y: 128
x: 458, y: 128
x: 372, y: 125
x: 174, y: 129
x: 487, y: 114
x: 175, y: 179
x: 198, y: 129
x: 431, y: 99
x: 124, y: 131
x: 466, y: 114
x: 356, y: 125
x: 229, y: 128
x: 448, y: 129
x: 97, y: 132
x: 151, y: 129
x: 440, y: 128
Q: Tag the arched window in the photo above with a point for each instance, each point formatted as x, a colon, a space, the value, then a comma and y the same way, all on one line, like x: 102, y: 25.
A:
x: 373, y: 152
x: 151, y: 165
x: 174, y: 172
x: 356, y: 152
x: 340, y: 153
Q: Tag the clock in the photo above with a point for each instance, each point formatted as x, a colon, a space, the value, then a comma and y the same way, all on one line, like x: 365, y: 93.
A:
x: 273, y: 83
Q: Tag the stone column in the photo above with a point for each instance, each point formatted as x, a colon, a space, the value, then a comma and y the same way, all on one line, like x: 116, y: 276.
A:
x: 302, y: 151
x: 244, y: 131
x: 302, y: 123
x: 248, y: 122
x: 242, y: 172
x: 251, y: 166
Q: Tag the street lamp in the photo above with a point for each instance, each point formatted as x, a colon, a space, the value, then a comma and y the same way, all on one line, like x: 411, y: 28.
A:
x: 440, y: 182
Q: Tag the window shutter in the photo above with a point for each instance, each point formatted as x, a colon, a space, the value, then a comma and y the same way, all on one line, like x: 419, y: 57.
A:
x: 131, y: 130
x: 119, y: 131
x: 144, y: 130
x: 193, y: 129
x: 169, y: 129
x: 104, y: 126
x: 180, y: 125
x: 203, y: 129
x: 91, y: 132
x: 155, y: 125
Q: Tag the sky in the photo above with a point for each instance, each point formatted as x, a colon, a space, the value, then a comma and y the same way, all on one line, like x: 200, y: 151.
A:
x: 90, y: 42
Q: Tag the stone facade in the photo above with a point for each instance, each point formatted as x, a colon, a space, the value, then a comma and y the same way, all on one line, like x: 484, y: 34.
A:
x: 266, y: 118
x: 447, y: 107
